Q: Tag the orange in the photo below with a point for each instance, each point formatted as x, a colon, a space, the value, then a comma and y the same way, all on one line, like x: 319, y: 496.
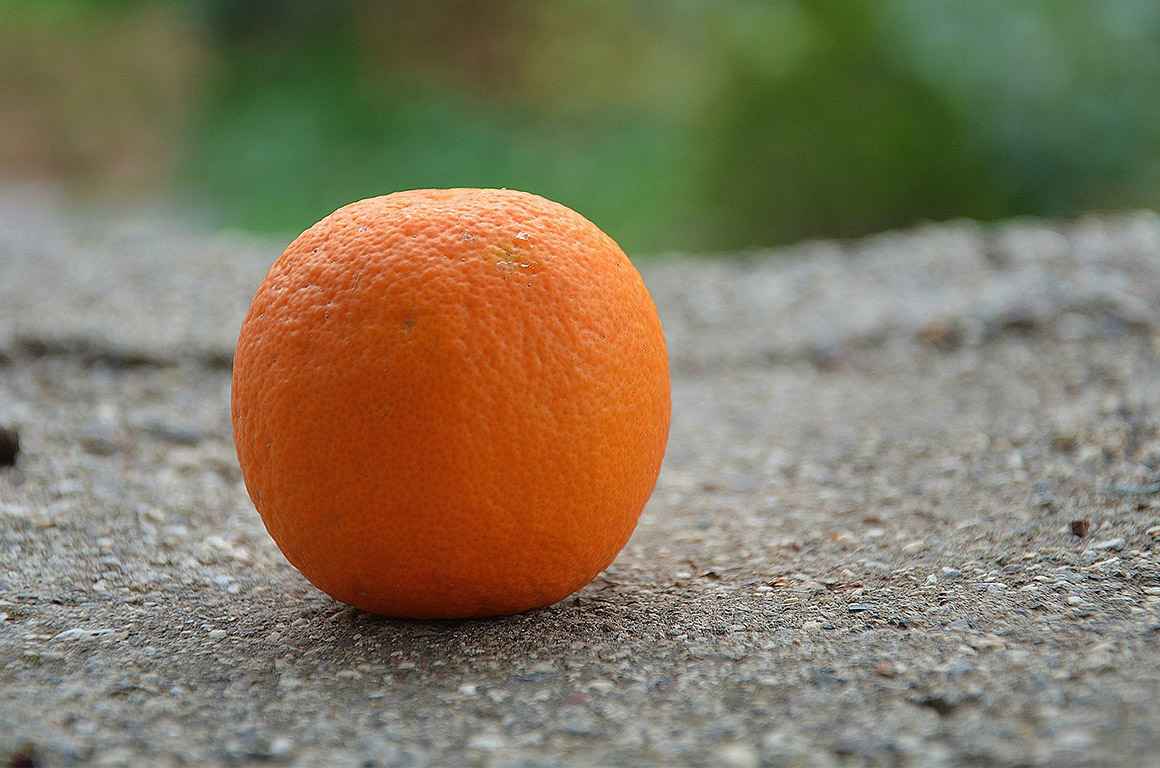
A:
x: 451, y: 403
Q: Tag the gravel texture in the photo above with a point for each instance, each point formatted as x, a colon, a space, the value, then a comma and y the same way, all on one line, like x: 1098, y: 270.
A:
x: 908, y: 517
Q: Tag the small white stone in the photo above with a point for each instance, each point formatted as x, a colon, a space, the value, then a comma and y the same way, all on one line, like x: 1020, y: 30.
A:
x: 986, y: 642
x: 486, y: 741
x: 79, y: 634
x: 737, y: 756
x: 289, y: 682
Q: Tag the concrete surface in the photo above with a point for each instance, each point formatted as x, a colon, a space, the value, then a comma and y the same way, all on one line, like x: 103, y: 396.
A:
x: 865, y: 547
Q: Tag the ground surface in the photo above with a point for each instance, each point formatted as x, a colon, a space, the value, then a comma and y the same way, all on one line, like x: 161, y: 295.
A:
x: 860, y: 551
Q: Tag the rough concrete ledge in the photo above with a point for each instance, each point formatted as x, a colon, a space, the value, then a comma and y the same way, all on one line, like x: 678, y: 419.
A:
x: 909, y: 516
x: 149, y: 289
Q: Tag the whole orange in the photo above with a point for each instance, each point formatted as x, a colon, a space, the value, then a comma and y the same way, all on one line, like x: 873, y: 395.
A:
x: 451, y: 403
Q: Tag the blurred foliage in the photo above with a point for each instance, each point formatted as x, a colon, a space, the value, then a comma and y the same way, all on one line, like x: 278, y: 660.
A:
x: 76, y: 104
x: 825, y: 134
x: 689, y: 124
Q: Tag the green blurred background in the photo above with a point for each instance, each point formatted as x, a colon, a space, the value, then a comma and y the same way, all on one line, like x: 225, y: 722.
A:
x: 687, y: 125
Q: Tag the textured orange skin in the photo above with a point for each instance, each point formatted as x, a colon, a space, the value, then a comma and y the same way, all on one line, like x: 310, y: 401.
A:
x: 451, y: 403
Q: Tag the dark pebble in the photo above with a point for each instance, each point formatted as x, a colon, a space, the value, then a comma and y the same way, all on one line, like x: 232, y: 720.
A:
x: 943, y: 704
x: 827, y: 357
x: 824, y: 677
x: 24, y: 757
x: 959, y: 667
x: 99, y: 439
x: 9, y: 446
x: 941, y: 334
x: 1080, y: 528
x: 173, y: 433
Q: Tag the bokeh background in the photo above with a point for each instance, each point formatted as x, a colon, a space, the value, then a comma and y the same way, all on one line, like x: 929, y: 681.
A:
x: 684, y: 125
